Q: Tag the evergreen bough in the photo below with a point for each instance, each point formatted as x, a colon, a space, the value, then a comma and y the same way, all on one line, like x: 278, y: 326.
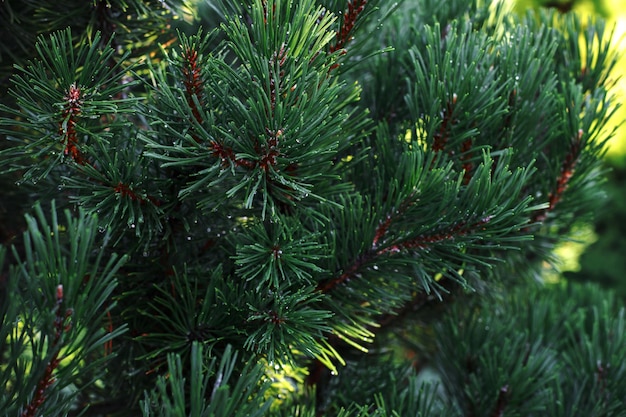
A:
x: 302, y: 208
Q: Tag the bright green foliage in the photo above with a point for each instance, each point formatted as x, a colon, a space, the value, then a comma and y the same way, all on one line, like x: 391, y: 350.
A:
x: 306, y: 193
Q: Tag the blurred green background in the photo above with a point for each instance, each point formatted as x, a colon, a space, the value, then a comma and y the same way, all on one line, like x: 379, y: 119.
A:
x: 599, y: 251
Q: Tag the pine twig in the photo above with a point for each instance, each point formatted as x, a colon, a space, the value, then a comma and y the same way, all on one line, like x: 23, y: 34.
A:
x: 562, y: 182
x: 350, y: 16
x: 48, y: 378
x: 67, y: 125
x: 501, y: 402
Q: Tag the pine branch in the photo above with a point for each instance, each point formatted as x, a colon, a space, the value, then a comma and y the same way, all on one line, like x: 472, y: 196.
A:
x: 73, y: 94
x: 562, y: 182
x: 350, y: 17
x: 262, y: 210
x: 62, y: 338
x: 501, y: 402
x: 47, y: 378
x: 67, y: 127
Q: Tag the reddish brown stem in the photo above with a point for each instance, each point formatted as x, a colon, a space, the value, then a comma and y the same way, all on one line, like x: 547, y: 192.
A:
x: 67, y: 130
x: 126, y: 191
x: 226, y: 154
x: 350, y: 16
x: 344, y: 34
x: 418, y: 243
x: 108, y: 346
x: 67, y: 125
x: 192, y: 81
x: 48, y: 379
x: 562, y: 182
x: 348, y: 273
x: 501, y: 402
x: 425, y: 241
x: 441, y: 137
x: 381, y: 230
x: 601, y: 376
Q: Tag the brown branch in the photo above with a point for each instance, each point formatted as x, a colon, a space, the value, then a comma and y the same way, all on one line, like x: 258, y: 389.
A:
x: 269, y: 152
x: 344, y: 34
x: 192, y: 81
x: 501, y: 402
x: 383, y: 227
x: 350, y: 16
x: 67, y: 125
x: 226, y: 154
x: 600, y: 375
x: 371, y: 254
x: 425, y: 241
x: 348, y: 273
x: 419, y: 243
x: 108, y: 346
x: 381, y: 230
x: 568, y: 168
x: 441, y: 137
x: 125, y: 191
x: 48, y: 379
x: 191, y: 69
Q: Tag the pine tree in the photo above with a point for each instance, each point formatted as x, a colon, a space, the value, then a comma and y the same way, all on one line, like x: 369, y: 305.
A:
x: 301, y: 208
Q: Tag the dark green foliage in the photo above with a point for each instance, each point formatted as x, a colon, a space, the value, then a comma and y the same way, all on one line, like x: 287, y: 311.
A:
x: 135, y: 23
x: 301, y: 190
x: 553, y: 352
x: 176, y: 396
x: 549, y: 351
x: 85, y: 73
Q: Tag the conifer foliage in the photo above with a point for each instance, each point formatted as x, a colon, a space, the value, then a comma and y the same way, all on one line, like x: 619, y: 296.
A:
x: 300, y: 208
